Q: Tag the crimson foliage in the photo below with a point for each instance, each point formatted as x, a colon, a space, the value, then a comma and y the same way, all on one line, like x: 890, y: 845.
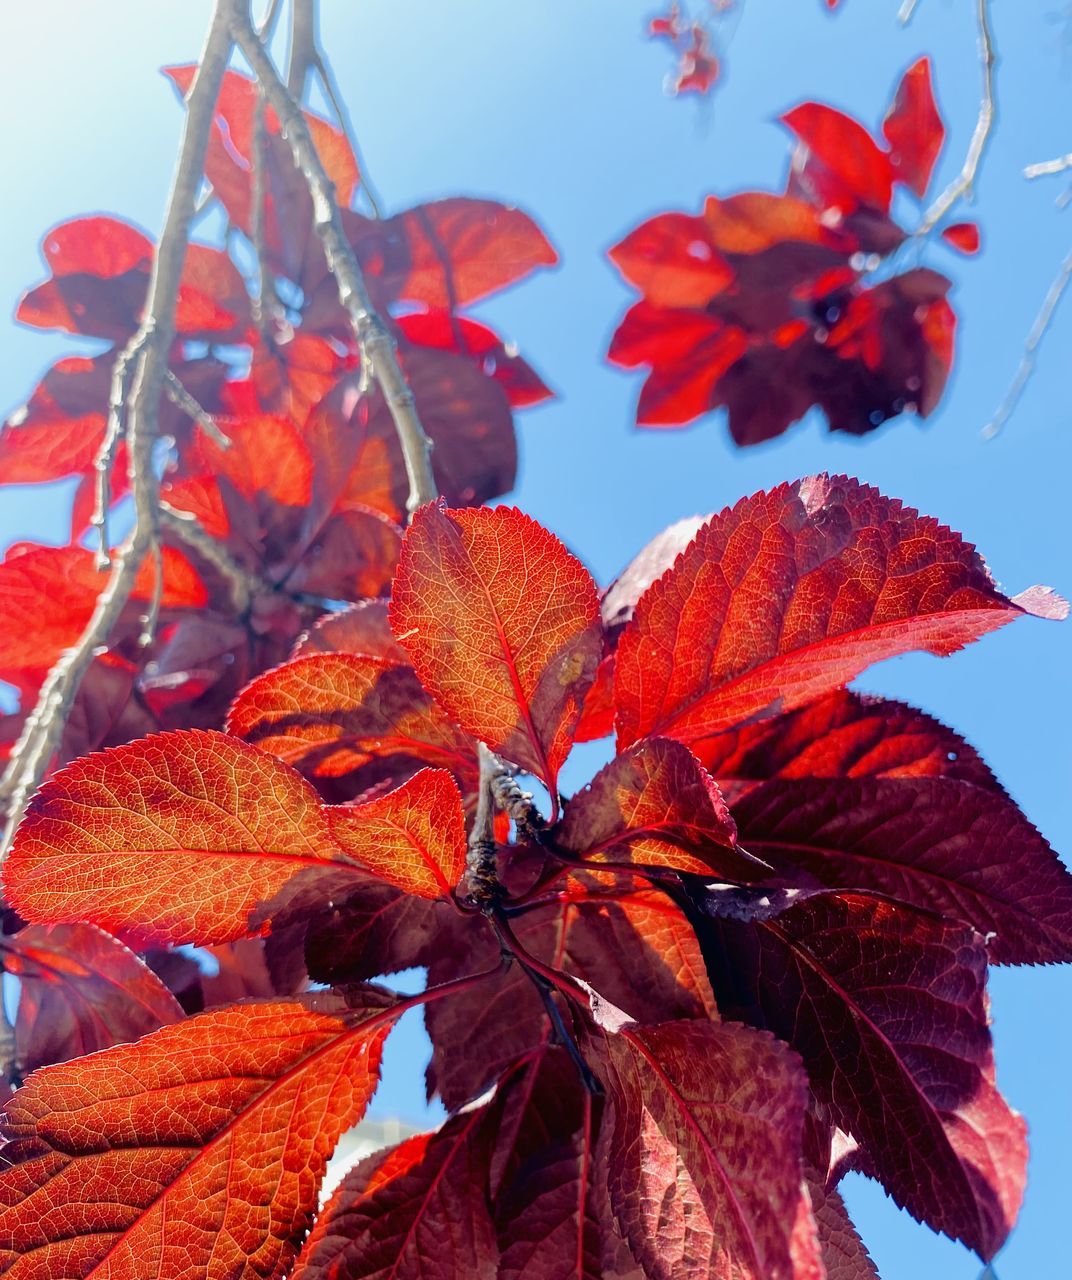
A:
x: 668, y: 1012
x: 768, y: 303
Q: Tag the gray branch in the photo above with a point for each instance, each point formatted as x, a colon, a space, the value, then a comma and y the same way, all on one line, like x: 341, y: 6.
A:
x: 377, y: 346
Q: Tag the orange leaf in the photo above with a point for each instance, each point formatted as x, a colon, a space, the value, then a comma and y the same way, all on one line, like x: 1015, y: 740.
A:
x: 194, y: 1154
x: 187, y: 836
x: 413, y: 837
x: 333, y: 712
x: 502, y: 626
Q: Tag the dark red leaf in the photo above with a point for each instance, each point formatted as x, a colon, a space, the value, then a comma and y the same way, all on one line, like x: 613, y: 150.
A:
x: 196, y: 1153
x: 939, y: 844
x: 445, y: 331
x: 418, y: 1211
x: 655, y: 805
x: 886, y: 1007
x: 361, y: 628
x: 844, y: 735
x: 702, y: 1136
x: 791, y: 594
x: 914, y: 129
x: 79, y: 990
x: 844, y: 1254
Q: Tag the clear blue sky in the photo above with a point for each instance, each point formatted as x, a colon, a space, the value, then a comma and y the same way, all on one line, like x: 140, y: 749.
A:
x: 558, y: 106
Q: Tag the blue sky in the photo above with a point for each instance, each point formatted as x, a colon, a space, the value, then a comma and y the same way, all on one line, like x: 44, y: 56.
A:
x: 558, y: 107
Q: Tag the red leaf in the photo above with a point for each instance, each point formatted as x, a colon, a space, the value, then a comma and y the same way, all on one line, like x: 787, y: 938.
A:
x: 703, y: 1146
x: 229, y: 167
x: 844, y: 1254
x: 501, y: 624
x: 195, y: 1153
x: 447, y: 332
x: 939, y: 844
x: 361, y: 628
x: 673, y: 261
x: 417, y: 1211
x: 755, y: 221
x: 547, y: 1215
x: 699, y: 68
x: 413, y: 837
x: 377, y: 930
x: 188, y: 836
x: 914, y: 129
x: 654, y: 805
x: 597, y: 714
x: 330, y: 713
x: 47, y: 595
x: 821, y: 578
x: 79, y: 990
x: 100, y: 269
x: 352, y: 556
x: 449, y: 253
x: 862, y: 173
x: 886, y: 1007
x: 845, y: 735
x: 963, y: 236
x: 267, y: 459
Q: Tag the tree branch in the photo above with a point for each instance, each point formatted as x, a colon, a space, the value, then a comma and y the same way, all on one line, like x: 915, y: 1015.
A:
x: 179, y: 396
x: 242, y: 584
x: 302, y: 52
x: 1044, y: 168
x: 41, y: 734
x: 374, y: 339
x: 331, y: 91
x: 963, y: 184
x: 1026, y: 366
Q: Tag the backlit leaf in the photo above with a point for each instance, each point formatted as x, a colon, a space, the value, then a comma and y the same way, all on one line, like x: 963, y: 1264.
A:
x: 655, y: 805
x: 914, y: 129
x: 703, y: 1141
x: 413, y: 837
x: 187, y: 836
x: 886, y: 1007
x: 501, y: 624
x: 79, y: 990
x: 417, y: 1211
x: 196, y: 1153
x: 791, y: 594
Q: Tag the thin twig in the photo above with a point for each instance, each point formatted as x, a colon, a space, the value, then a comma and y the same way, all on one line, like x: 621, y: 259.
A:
x: 324, y: 70
x: 963, y: 184
x: 177, y: 393
x: 1027, y: 361
x: 373, y: 337
x: 243, y: 585
x: 481, y: 885
x: 44, y: 726
x: 904, y: 14
x: 266, y: 305
x: 113, y: 435
x: 151, y: 617
x: 302, y: 46
x: 1045, y: 168
x: 267, y: 27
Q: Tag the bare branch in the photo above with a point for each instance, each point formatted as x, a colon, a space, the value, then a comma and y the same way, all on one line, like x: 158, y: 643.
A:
x: 178, y: 395
x: 374, y: 339
x: 302, y: 52
x: 267, y: 27
x: 904, y: 14
x: 113, y: 435
x: 1026, y: 366
x: 44, y: 726
x: 1045, y: 168
x: 963, y: 184
x: 267, y: 303
x: 481, y: 884
x: 331, y: 91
